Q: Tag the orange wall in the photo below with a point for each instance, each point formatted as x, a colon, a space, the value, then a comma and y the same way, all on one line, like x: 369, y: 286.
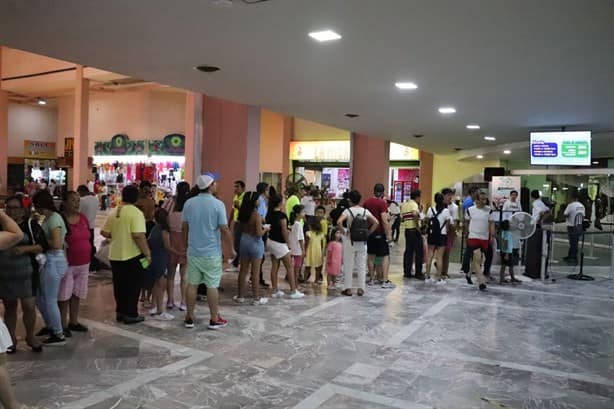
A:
x: 271, y: 142
x: 31, y: 123
x: 142, y: 115
x: 370, y: 163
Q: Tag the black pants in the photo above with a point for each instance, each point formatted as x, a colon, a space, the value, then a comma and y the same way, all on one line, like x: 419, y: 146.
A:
x: 574, y: 233
x: 467, y: 256
x: 488, y: 256
x: 488, y: 259
x: 396, y: 229
x: 94, y: 263
x: 127, y: 282
x: 413, y: 248
x: 236, y: 235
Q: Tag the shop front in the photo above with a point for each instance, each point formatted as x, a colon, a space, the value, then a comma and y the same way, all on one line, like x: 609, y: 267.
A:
x: 323, y: 164
x: 122, y: 161
x: 404, y: 171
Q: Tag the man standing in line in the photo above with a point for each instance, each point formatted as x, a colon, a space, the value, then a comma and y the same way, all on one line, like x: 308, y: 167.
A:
x: 480, y: 227
x: 414, y: 247
x: 539, y: 208
x: 469, y: 201
x: 204, y: 224
x: 574, y: 213
x: 377, y: 244
x: 88, y: 205
x: 448, y: 195
x: 295, y: 194
x: 237, y: 199
x: 511, y: 205
x: 146, y: 204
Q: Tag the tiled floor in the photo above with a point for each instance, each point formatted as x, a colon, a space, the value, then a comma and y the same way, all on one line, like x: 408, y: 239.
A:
x: 530, y: 346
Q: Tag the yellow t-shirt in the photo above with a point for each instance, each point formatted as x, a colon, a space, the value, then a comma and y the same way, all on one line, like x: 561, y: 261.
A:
x: 130, y: 220
x: 408, y: 221
x: 236, y: 203
x: 324, y: 224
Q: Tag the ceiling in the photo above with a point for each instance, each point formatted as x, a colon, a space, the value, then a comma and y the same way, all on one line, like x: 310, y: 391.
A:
x: 510, y: 66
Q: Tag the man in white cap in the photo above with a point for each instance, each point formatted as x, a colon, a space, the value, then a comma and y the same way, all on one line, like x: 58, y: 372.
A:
x: 204, y: 226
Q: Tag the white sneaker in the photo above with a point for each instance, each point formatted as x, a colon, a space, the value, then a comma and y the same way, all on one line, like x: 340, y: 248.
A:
x: 430, y: 280
x: 237, y: 299
x: 153, y: 312
x: 165, y: 316
x: 232, y: 269
x: 260, y: 301
x: 441, y: 283
x: 296, y: 295
x: 278, y: 294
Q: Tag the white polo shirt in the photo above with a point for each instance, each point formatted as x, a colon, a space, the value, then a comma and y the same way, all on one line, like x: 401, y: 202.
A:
x: 479, y: 222
x: 539, y: 208
x: 572, y: 211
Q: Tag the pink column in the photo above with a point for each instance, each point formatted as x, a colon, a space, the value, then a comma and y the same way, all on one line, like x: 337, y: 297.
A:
x: 81, y: 119
x: 426, y: 176
x: 369, y: 164
x: 193, y: 136
x: 230, y: 144
x: 4, y: 135
x: 287, y: 137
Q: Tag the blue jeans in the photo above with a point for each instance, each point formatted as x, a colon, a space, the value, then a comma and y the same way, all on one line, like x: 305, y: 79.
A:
x: 47, y: 300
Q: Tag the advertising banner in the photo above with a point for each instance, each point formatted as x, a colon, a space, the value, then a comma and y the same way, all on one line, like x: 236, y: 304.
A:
x: 500, y: 189
x: 171, y: 145
x: 120, y: 145
x: 561, y: 148
x: 39, y: 150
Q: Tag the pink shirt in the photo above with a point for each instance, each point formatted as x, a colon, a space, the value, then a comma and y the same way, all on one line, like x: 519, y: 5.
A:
x: 78, y: 241
x: 334, y: 257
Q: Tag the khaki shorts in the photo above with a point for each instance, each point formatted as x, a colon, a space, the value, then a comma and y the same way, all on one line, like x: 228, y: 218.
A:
x: 205, y: 270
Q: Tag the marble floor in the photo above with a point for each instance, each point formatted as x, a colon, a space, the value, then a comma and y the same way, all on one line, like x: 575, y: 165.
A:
x: 534, y: 345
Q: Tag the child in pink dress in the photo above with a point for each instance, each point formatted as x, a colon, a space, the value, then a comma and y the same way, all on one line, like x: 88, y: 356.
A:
x: 334, y: 258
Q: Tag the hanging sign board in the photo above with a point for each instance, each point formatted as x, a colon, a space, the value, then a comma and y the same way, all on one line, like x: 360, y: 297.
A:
x: 39, y: 150
x: 120, y: 145
x: 171, y: 145
x: 501, y: 187
x: 400, y: 152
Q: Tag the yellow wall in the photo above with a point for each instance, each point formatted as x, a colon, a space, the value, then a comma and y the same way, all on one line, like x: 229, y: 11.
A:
x: 271, y: 141
x: 447, y: 170
x: 312, y: 131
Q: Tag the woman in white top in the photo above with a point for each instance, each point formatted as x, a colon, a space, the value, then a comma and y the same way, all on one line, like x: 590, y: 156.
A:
x: 355, y: 252
x: 437, y: 237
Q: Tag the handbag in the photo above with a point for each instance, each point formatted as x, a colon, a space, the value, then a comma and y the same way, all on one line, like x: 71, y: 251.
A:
x: 40, y: 258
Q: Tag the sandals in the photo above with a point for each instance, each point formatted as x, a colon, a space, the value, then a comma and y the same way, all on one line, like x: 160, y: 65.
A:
x: 347, y: 292
x: 36, y: 348
x: 11, y: 350
x: 360, y: 292
x: 516, y: 281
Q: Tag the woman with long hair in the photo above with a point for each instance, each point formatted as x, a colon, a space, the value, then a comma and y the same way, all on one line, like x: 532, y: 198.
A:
x: 278, y: 247
x: 18, y: 278
x: 251, y: 247
x: 73, y: 287
x: 56, y: 229
x: 438, y: 217
x: 178, y: 256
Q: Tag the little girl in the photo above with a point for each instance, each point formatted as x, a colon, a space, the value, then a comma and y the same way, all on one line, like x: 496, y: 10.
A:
x: 159, y: 243
x: 296, y: 240
x: 316, y: 240
x: 334, y: 258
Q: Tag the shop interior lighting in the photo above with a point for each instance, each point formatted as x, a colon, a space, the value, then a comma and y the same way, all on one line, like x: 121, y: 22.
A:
x: 325, y: 35
x: 507, y: 152
x: 405, y: 85
x: 596, y: 162
x: 447, y: 110
x: 480, y: 156
x: 41, y: 101
x: 473, y: 126
x: 98, y: 159
x: 490, y: 138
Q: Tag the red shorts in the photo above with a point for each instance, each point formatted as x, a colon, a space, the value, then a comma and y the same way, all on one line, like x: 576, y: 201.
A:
x: 478, y: 244
x: 298, y: 261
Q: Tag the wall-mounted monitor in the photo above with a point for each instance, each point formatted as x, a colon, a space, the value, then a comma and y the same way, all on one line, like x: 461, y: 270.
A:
x: 561, y: 148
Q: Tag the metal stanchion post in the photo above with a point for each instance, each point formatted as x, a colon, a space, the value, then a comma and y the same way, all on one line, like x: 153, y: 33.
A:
x: 544, y: 255
x: 612, y: 256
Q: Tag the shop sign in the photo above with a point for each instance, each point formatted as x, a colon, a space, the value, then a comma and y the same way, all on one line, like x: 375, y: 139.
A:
x: 39, y: 150
x: 320, y: 151
x: 120, y: 145
x: 402, y: 152
x: 173, y: 145
x: 501, y: 187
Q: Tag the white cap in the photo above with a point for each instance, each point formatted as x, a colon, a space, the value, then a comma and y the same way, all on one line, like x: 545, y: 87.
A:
x: 204, y: 181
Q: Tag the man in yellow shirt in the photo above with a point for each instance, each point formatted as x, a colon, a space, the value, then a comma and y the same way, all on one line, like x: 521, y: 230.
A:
x: 410, y: 219
x: 237, y: 199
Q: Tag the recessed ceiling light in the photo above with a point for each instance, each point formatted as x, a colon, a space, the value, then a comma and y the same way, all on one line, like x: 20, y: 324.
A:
x: 352, y: 115
x: 207, y: 68
x: 480, y: 156
x: 596, y: 162
x: 325, y: 35
x: 447, y: 110
x: 507, y: 152
x: 490, y: 138
x: 473, y: 126
x: 41, y: 101
x: 405, y: 85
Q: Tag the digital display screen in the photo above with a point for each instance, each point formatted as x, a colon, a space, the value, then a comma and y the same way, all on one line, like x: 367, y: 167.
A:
x: 561, y: 148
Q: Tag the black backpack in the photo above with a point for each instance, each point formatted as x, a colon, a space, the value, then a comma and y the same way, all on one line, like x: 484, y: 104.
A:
x: 359, y: 229
x: 434, y: 228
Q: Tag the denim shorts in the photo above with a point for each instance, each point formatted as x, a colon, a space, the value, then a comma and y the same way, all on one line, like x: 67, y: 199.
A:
x: 251, y: 247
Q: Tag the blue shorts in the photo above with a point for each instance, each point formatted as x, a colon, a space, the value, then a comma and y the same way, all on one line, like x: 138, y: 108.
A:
x: 251, y: 247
